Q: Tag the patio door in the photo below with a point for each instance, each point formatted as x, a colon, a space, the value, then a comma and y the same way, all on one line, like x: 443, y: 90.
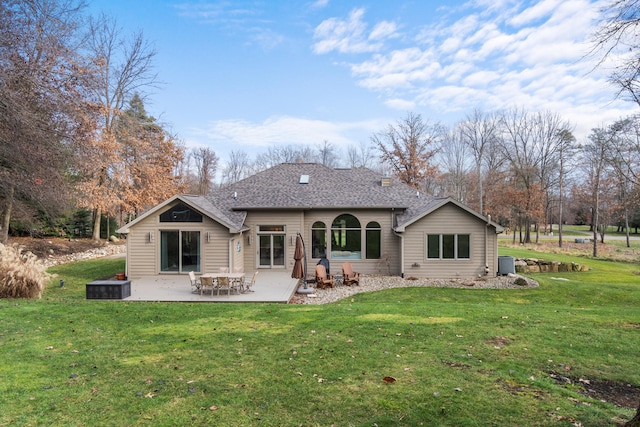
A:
x: 271, y: 251
x: 179, y: 251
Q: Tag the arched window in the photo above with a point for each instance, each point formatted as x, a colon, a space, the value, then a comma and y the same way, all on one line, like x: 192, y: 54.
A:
x: 346, y: 238
x: 373, y: 235
x: 318, y: 240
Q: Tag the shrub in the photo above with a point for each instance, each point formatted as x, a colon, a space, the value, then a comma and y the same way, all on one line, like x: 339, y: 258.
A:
x: 22, y: 275
x: 521, y: 281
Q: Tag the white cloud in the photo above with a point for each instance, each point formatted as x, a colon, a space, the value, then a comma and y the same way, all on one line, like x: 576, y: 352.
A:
x: 492, y: 57
x: 538, y: 11
x: 399, y: 69
x: 400, y: 104
x: 320, y: 4
x: 283, y: 130
x: 350, y: 35
x: 383, y: 30
x: 267, y: 39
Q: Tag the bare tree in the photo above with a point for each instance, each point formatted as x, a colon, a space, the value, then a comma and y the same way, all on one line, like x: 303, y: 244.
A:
x: 42, y: 108
x: 479, y: 131
x: 123, y: 66
x: 284, y: 154
x: 409, y: 147
x: 327, y: 154
x: 237, y: 168
x: 618, y: 40
x: 596, y: 156
x: 550, y: 137
x: 625, y: 161
x: 519, y: 148
x: 454, y: 164
x: 361, y: 155
x: 566, y: 147
x: 206, y: 163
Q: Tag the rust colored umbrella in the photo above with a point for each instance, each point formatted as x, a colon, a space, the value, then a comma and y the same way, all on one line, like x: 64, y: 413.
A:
x: 298, y: 255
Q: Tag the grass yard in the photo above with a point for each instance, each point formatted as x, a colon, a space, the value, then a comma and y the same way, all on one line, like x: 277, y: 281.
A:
x: 402, y: 357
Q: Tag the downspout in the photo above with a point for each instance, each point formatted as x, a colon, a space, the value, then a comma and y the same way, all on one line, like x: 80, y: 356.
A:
x: 393, y: 220
x: 486, y: 247
x: 230, y: 262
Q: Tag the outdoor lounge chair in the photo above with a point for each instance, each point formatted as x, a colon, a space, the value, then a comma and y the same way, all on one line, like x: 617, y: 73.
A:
x: 349, y: 277
x: 323, y: 280
x: 195, y: 282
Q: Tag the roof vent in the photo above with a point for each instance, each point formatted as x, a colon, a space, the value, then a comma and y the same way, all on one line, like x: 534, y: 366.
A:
x: 385, y: 181
x: 304, y: 179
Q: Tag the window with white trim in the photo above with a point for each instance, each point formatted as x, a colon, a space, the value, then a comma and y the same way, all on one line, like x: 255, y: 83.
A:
x: 448, y: 246
x: 318, y: 240
x: 346, y: 238
x: 373, y: 237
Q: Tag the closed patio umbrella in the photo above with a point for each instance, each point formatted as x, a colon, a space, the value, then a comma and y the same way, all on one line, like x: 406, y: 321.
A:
x: 298, y: 255
x: 300, y: 267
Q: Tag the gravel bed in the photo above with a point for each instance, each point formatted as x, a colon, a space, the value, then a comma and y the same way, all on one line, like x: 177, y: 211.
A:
x: 378, y: 283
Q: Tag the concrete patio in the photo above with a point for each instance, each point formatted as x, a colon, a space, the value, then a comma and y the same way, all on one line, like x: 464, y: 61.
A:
x: 271, y: 286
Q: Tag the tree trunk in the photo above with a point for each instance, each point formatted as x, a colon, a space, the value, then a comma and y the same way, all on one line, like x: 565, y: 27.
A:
x: 97, y: 214
x: 595, y: 231
x: 6, y: 219
x: 561, y: 201
x: 626, y: 225
x: 635, y: 421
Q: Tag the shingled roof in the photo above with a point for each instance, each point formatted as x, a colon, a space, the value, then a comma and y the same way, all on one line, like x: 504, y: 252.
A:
x: 302, y: 186
x: 280, y: 187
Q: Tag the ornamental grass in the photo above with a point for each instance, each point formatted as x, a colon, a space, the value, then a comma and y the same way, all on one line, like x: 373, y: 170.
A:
x: 22, y: 274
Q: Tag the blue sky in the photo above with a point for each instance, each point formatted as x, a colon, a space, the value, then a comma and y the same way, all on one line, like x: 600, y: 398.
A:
x: 246, y: 75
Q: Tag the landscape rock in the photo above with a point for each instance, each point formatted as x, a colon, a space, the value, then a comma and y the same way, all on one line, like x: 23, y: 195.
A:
x: 377, y: 283
x: 534, y: 265
x: 100, y: 252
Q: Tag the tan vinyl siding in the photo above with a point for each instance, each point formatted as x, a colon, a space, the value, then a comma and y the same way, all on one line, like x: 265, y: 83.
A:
x: 237, y: 259
x: 215, y: 253
x: 390, y: 246
x: 449, y: 219
x: 143, y: 256
x: 292, y: 222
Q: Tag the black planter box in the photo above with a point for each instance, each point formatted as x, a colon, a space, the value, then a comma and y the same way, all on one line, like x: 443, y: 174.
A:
x: 109, y: 289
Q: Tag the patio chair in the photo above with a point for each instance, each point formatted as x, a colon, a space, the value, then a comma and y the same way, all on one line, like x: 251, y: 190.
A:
x: 206, y: 283
x: 195, y: 282
x: 349, y: 277
x: 223, y: 282
x: 323, y: 280
x: 248, y: 283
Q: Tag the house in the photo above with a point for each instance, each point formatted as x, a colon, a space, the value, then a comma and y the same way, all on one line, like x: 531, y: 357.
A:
x: 377, y: 223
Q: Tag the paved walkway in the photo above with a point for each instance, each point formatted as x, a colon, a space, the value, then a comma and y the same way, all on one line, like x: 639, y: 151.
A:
x: 271, y: 286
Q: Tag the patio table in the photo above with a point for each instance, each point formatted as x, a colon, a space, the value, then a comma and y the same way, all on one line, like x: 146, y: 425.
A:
x: 237, y: 278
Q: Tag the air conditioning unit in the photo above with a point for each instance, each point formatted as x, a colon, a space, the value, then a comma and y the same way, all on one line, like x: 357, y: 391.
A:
x: 506, y: 265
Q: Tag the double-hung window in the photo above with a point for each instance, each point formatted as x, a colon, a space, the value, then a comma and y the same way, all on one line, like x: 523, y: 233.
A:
x: 448, y: 246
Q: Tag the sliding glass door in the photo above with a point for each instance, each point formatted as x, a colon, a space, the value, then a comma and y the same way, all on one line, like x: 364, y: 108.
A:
x: 179, y: 251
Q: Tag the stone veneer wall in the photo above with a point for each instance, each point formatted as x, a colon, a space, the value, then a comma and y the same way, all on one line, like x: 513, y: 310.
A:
x: 534, y: 265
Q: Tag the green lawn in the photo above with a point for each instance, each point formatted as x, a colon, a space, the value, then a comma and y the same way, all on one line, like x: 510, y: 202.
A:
x: 459, y: 357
